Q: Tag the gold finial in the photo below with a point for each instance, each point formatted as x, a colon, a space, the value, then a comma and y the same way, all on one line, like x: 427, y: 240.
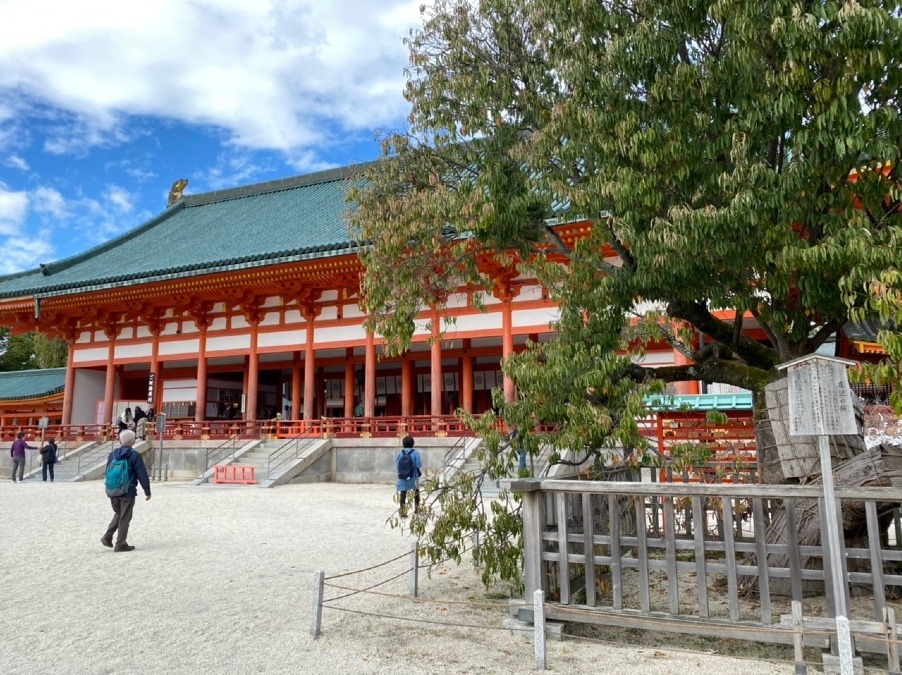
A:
x: 175, y: 192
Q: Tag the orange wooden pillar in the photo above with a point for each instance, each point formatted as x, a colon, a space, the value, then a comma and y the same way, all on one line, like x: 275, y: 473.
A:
x: 69, y: 389
x: 466, y: 378
x: 309, y: 369
x: 369, y: 387
x: 110, y: 383
x: 253, y: 374
x: 296, y: 386
x: 349, y: 384
x: 435, y: 367
x: 507, y: 344
x: 407, y: 387
x: 200, y: 407
x: 155, y: 370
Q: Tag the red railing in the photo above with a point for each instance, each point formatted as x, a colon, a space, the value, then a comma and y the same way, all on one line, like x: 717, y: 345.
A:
x: 183, y: 429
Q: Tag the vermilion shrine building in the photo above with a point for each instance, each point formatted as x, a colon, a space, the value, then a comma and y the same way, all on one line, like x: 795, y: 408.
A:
x: 248, y: 298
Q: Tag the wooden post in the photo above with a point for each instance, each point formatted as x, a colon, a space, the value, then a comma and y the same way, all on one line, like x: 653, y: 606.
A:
x: 316, y: 624
x: 414, y: 569
x: 820, y: 404
x: 892, y: 644
x: 642, y: 552
x: 701, y: 569
x: 533, y: 524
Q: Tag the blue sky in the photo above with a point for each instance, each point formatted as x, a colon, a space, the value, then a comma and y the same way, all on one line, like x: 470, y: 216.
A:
x: 104, y: 104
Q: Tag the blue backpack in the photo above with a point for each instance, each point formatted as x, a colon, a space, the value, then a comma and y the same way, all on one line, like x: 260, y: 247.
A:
x: 118, y: 477
x: 405, y: 465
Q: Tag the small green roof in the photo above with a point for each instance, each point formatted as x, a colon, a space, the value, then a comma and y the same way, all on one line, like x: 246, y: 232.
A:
x: 700, y: 402
x: 268, y: 223
x: 24, y: 384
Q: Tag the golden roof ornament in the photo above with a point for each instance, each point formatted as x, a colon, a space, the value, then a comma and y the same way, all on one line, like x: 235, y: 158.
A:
x: 175, y: 192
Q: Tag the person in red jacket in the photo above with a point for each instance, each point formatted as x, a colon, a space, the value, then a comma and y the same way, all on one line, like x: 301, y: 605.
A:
x: 17, y: 452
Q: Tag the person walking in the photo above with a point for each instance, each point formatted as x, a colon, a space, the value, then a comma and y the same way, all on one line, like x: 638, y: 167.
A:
x: 17, y: 452
x: 409, y: 466
x: 124, y: 505
x: 48, y: 458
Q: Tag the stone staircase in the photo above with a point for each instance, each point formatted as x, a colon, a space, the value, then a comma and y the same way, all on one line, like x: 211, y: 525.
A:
x: 275, y: 462
x: 84, y: 462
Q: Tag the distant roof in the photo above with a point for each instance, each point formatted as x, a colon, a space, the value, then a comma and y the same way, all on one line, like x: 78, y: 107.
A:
x: 24, y: 384
x: 700, y: 402
x: 863, y: 335
x: 277, y: 221
x: 865, y: 331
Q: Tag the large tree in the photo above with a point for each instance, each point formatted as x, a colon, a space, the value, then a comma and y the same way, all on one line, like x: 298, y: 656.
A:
x: 734, y: 155
x: 30, y: 350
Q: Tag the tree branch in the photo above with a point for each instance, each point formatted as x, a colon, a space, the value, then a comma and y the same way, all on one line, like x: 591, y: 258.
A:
x: 750, y: 351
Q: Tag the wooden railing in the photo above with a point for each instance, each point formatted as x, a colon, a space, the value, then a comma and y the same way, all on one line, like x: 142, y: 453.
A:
x: 647, y: 556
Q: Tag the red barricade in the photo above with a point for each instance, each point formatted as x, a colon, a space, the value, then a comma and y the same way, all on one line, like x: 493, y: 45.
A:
x: 235, y: 474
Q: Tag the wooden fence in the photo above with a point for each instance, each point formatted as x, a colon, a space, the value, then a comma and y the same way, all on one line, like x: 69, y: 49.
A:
x: 656, y: 556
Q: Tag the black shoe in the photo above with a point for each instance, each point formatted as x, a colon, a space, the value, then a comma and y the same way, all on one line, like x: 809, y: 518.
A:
x: 122, y: 548
x: 106, y: 542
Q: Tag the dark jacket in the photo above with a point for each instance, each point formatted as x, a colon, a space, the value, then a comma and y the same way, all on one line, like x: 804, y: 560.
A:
x: 136, y: 467
x: 48, y: 453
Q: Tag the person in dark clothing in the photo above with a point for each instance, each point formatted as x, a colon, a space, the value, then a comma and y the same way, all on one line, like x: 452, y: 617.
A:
x: 48, y: 458
x: 124, y: 505
x: 405, y: 485
x: 17, y: 452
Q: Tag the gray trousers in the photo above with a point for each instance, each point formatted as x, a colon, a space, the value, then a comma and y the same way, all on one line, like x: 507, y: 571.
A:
x: 122, y: 517
x: 19, y: 463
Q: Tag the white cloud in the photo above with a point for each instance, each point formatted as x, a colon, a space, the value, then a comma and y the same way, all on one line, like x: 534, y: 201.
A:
x: 119, y: 199
x: 16, y: 162
x: 13, y: 210
x: 22, y: 253
x: 50, y: 202
x: 272, y: 74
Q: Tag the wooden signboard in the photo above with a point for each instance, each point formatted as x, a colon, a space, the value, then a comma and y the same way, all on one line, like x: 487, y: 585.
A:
x: 820, y: 400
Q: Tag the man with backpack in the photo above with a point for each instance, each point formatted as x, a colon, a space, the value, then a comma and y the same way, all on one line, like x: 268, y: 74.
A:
x: 124, y: 470
x: 408, y: 465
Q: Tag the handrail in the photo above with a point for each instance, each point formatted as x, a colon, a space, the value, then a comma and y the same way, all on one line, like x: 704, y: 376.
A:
x: 93, y: 453
x: 286, y: 450
x: 221, y: 451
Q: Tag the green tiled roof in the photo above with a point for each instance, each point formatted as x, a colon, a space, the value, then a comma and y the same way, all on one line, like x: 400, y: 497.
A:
x: 279, y: 221
x: 20, y: 384
x: 720, y: 402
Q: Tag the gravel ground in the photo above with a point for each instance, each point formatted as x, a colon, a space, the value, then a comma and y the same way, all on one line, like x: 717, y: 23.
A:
x: 222, y: 582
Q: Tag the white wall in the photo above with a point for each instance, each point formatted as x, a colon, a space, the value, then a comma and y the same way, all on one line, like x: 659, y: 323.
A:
x: 88, y: 390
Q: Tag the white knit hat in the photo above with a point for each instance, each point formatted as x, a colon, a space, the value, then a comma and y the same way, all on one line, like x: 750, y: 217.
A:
x: 126, y: 437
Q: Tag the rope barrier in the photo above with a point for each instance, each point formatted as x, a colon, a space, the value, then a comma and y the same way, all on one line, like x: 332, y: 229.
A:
x: 432, y: 622
x: 490, y: 605
x: 367, y: 569
x: 355, y: 591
